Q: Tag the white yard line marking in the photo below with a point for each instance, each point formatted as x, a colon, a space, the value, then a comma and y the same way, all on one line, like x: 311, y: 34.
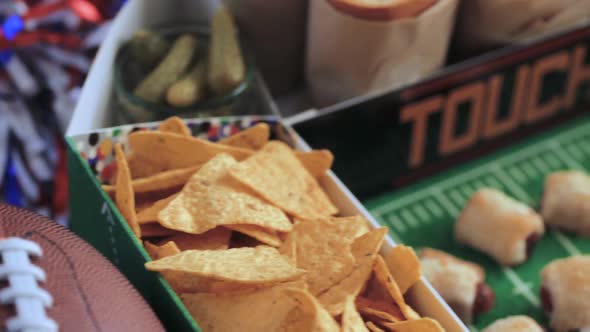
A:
x: 421, y: 213
x: 521, y: 287
x: 399, y: 202
x: 467, y: 190
x: 541, y: 165
x: 586, y: 147
x: 478, y: 184
x: 432, y: 207
x: 515, y: 189
x: 562, y: 155
x: 450, y: 182
x: 517, y: 174
x: 493, y: 182
x: 521, y: 154
x: 576, y: 152
x: 566, y: 243
x: 409, y: 218
x: 573, y: 133
x: 553, y: 161
x: 447, y: 205
x: 456, y: 197
x: 528, y: 169
x: 396, y: 223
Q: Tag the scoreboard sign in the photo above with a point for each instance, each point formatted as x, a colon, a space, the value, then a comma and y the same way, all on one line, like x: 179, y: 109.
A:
x: 467, y: 110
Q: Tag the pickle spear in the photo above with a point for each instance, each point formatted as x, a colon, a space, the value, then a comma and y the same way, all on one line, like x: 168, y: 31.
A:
x: 189, y: 89
x: 226, y: 65
x: 147, y: 47
x: 169, y: 70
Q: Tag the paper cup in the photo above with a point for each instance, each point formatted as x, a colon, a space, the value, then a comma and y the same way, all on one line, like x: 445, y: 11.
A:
x: 349, y: 56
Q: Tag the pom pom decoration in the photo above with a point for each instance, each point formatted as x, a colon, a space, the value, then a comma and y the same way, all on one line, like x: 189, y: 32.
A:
x: 46, y: 48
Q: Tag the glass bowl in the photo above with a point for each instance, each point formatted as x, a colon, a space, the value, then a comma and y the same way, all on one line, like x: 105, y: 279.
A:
x: 134, y: 109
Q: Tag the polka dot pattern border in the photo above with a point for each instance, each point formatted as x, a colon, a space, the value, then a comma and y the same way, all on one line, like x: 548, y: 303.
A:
x: 97, y: 148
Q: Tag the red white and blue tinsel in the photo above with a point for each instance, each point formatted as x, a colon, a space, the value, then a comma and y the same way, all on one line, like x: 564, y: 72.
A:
x: 46, y: 48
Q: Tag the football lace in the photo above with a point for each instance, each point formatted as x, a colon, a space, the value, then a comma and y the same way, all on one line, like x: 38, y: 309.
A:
x: 23, y: 291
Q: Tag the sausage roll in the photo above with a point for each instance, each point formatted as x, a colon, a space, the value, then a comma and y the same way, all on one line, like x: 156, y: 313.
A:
x: 566, y: 201
x: 460, y: 283
x: 499, y: 226
x: 514, y: 324
x: 565, y: 293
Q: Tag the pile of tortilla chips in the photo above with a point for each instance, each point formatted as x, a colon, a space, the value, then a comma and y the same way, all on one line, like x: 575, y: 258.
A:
x: 246, y: 236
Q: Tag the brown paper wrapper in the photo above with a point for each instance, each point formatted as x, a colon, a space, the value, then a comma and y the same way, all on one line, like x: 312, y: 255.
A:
x: 275, y: 30
x: 484, y: 24
x: 349, y: 56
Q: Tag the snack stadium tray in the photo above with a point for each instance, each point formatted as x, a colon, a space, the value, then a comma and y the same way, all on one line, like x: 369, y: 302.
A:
x: 424, y: 214
x: 95, y: 217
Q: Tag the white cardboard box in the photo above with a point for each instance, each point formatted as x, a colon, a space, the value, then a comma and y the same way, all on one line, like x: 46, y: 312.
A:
x: 421, y: 296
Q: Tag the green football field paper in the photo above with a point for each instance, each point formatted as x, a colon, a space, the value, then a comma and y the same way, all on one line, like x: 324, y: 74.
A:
x: 424, y: 214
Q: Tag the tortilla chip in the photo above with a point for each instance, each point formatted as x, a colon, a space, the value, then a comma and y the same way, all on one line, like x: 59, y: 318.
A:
x: 160, y: 251
x: 150, y: 215
x: 262, y: 310
x: 387, y: 287
x: 247, y: 265
x: 351, y: 227
x: 309, y: 315
x: 141, y: 167
x: 195, y: 284
x: 200, y: 208
x: 167, y: 151
x: 124, y: 195
x: 289, y: 248
x: 422, y: 325
x: 162, y: 181
x: 253, y: 138
x: 155, y: 230
x: 374, y: 328
x: 351, y: 319
x: 412, y: 314
x: 140, y: 206
x: 276, y: 174
x: 203, y: 205
x: 215, y: 169
x: 364, y: 249
x: 152, y: 250
x: 379, y: 310
x: 317, y: 162
x: 324, y: 251
x: 404, y: 266
x: 175, y: 125
x: 215, y: 239
x: 261, y: 234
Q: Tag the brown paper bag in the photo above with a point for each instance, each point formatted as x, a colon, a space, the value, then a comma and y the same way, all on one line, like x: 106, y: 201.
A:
x: 484, y: 24
x: 349, y: 56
